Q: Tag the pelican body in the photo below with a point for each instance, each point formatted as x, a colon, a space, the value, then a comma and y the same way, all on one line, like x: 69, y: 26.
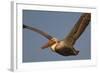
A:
x: 65, y: 46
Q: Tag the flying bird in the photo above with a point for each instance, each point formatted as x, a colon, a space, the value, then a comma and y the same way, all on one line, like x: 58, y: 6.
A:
x: 65, y: 47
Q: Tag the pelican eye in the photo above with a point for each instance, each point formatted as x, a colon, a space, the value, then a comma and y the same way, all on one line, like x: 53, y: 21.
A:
x: 53, y: 47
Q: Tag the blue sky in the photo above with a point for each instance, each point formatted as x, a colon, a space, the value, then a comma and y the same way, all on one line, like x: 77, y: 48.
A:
x: 57, y: 24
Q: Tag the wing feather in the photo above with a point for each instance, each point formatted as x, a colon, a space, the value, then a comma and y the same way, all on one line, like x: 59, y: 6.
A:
x: 78, y: 28
x: 46, y: 35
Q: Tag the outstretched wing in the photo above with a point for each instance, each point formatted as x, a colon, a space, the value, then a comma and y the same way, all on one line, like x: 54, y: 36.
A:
x: 78, y: 28
x: 46, y: 35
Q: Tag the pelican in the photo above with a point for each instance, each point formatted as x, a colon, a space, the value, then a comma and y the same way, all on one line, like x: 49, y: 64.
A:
x: 65, y: 47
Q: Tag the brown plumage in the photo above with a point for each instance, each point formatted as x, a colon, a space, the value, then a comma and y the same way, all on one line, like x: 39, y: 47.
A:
x: 65, y: 46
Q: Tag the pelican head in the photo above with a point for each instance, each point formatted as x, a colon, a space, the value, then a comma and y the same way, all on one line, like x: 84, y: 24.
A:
x: 51, y: 43
x: 54, y: 44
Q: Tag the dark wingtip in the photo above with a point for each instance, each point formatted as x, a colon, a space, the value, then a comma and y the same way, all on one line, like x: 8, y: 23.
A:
x: 24, y: 26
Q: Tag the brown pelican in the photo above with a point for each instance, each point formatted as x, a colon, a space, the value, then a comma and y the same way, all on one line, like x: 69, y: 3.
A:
x: 65, y: 46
